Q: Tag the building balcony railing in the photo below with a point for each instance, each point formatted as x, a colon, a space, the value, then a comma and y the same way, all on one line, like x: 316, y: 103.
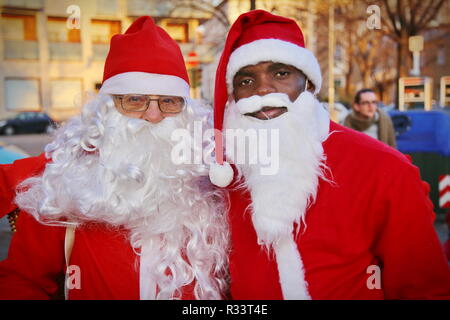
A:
x: 21, y: 49
x: 145, y: 7
x: 100, y: 51
x: 65, y: 51
x: 26, y: 4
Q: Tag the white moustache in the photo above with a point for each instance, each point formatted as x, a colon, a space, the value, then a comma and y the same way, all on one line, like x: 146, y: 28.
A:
x: 256, y: 103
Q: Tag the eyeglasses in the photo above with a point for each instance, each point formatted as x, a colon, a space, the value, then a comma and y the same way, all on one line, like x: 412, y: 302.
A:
x: 141, y: 102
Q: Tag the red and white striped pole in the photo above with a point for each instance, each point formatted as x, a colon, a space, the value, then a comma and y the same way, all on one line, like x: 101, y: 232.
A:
x: 444, y: 191
x: 444, y: 202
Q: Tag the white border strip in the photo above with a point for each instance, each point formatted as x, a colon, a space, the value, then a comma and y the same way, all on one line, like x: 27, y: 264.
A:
x: 145, y: 83
x: 277, y: 51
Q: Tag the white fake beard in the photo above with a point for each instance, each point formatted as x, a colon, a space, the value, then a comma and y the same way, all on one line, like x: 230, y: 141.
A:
x: 282, y: 199
x: 113, y: 169
x: 129, y: 161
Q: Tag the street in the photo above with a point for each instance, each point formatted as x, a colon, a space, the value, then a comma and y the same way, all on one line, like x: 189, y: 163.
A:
x: 32, y: 144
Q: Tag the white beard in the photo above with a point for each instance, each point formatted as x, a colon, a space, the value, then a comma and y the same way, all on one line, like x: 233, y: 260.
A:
x: 117, y: 170
x: 282, y: 199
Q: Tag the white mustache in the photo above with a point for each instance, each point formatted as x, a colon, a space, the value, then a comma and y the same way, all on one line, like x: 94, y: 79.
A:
x: 256, y: 103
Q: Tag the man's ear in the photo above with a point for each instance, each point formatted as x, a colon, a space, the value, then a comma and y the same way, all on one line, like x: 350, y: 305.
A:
x: 356, y: 107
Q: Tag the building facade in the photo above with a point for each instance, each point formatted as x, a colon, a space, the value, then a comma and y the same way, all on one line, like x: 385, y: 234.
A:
x: 52, y: 52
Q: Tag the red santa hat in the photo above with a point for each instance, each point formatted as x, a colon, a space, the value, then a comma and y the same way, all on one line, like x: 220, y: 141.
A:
x: 145, y: 60
x: 256, y: 36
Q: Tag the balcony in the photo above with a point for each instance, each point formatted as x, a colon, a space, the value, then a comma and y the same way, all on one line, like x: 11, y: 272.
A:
x: 65, y: 50
x: 25, y: 4
x: 107, y: 7
x: 143, y: 7
x: 100, y: 51
x: 21, y: 49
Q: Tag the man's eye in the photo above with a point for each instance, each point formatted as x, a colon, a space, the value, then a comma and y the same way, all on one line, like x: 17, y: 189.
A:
x: 281, y: 74
x: 245, y: 82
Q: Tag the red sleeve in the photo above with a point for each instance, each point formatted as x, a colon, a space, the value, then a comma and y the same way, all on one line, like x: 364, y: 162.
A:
x: 413, y: 264
x: 35, y: 265
x: 13, y: 174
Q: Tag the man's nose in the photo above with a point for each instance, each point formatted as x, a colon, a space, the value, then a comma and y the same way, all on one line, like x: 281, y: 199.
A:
x: 153, y: 114
x: 265, y: 85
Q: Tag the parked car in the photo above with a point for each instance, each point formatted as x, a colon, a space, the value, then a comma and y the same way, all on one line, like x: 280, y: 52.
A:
x: 27, y: 122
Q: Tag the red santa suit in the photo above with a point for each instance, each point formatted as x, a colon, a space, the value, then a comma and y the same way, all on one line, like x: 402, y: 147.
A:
x: 143, y: 60
x: 377, y: 213
x: 36, y: 266
x: 372, y: 219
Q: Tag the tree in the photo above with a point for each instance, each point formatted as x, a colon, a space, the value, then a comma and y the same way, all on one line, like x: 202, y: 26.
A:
x: 406, y: 19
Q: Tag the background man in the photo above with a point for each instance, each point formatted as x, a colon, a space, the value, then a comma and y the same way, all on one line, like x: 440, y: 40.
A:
x: 144, y: 229
x: 368, y: 118
x: 345, y: 216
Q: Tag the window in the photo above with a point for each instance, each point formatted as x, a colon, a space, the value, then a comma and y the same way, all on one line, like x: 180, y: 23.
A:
x: 20, y: 36
x: 103, y: 30
x: 19, y: 27
x: 58, y: 31
x: 64, y: 43
x: 22, y: 94
x: 101, y: 34
x: 178, y: 31
x: 64, y: 93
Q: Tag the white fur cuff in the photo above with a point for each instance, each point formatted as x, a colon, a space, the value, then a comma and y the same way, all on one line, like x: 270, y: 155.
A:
x: 145, y: 83
x: 277, y: 51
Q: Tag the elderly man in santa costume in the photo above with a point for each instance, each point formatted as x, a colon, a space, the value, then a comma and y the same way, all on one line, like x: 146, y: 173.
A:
x: 344, y: 216
x: 107, y: 203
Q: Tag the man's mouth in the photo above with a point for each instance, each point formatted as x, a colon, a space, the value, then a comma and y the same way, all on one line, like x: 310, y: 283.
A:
x: 267, y: 113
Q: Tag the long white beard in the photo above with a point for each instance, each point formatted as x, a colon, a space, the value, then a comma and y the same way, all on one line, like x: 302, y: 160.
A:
x: 113, y: 169
x: 281, y: 200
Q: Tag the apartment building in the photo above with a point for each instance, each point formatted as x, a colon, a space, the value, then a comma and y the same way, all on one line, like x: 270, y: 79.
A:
x: 52, y: 52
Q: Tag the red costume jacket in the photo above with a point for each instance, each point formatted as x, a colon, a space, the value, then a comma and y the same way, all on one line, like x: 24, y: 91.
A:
x: 35, y: 267
x: 377, y: 213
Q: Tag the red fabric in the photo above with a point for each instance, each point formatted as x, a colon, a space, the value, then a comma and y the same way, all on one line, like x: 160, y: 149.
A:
x: 447, y: 249
x: 144, y: 47
x: 12, y: 174
x: 34, y: 269
x: 258, y: 24
x: 376, y: 213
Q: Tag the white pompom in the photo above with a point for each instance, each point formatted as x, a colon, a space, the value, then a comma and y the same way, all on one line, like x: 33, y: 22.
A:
x: 221, y: 175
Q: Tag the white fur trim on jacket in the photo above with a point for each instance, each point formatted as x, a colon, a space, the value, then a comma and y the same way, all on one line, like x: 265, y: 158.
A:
x: 291, y: 270
x: 145, y: 83
x: 277, y: 51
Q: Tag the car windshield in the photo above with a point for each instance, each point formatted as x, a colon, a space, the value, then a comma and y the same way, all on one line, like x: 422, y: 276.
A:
x: 30, y: 115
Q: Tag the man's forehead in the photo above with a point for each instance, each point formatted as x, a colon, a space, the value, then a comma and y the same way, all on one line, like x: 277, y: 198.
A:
x: 368, y: 95
x: 264, y: 66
